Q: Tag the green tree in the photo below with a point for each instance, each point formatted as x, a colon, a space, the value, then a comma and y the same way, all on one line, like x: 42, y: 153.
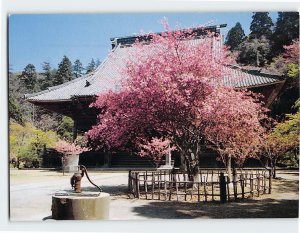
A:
x: 283, y: 142
x: 14, y: 111
x: 65, y: 129
x: 91, y: 66
x: 77, y: 69
x: 47, y: 74
x: 254, y: 52
x: 235, y: 37
x: 286, y: 30
x: 261, y: 25
x: 29, y: 78
x: 64, y: 72
x: 27, y: 143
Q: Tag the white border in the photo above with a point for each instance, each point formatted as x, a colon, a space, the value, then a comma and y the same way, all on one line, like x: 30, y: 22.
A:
x: 96, y: 6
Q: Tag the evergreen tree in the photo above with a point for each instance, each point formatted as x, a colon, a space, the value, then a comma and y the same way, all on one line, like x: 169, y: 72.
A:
x: 98, y: 62
x: 286, y: 30
x: 29, y: 78
x: 261, y: 25
x: 91, y: 67
x: 77, y: 69
x: 47, y: 76
x: 254, y: 52
x: 235, y: 36
x: 64, y: 72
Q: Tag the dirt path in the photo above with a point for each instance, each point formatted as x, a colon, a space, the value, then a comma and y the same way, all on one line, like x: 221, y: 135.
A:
x: 31, y: 191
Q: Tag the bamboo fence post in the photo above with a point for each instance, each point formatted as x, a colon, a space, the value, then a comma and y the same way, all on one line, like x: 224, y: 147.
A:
x: 159, y: 183
x: 176, y: 186
x: 205, y: 191
x: 242, y: 187
x: 258, y: 185
x: 264, y: 183
x: 185, y: 191
x: 270, y: 181
x: 153, y: 180
x: 170, y: 196
x: 212, y: 185
x: 166, y: 193
x: 251, y: 185
x: 137, y: 185
x: 198, y: 191
x: 146, y: 185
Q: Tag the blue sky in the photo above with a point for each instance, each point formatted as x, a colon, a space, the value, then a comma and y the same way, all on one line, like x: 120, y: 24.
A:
x: 48, y: 37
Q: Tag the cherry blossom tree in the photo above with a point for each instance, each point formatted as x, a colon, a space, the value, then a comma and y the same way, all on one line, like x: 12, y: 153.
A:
x: 233, y: 120
x: 156, y: 148
x: 173, y: 89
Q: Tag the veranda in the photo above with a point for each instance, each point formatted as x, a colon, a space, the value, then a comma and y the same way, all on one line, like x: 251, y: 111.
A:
x: 212, y: 185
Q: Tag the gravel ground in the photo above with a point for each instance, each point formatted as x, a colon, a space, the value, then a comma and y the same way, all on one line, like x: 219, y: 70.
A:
x: 31, y: 191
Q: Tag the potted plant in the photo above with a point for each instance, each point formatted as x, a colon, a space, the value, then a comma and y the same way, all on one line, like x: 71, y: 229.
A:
x: 70, y: 152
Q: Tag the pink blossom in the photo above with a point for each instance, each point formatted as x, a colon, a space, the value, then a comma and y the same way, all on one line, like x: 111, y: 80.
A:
x: 65, y: 147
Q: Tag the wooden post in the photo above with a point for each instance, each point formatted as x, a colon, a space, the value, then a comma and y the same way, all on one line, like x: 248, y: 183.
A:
x: 234, y: 182
x: 137, y: 185
x: 146, y: 186
x: 153, y: 180
x: 205, y: 191
x: 222, y: 181
x: 212, y: 185
x: 159, y: 184
x: 251, y: 185
x: 176, y: 186
x: 258, y: 184
x: 166, y: 193
x: 264, y: 183
x: 234, y: 188
x: 270, y: 181
x: 185, y: 191
x: 129, y: 182
x: 242, y: 186
x: 170, y: 187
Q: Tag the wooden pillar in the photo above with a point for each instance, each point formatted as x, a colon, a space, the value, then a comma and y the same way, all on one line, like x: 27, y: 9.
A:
x: 223, y: 196
x: 74, y: 130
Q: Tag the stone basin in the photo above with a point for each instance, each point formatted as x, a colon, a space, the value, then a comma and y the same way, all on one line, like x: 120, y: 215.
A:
x: 80, y: 206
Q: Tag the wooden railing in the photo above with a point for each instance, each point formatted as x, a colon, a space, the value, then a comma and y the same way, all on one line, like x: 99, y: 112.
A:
x: 210, y: 185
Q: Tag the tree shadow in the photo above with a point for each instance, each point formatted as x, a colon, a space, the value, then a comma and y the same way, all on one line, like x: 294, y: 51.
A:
x: 267, y: 208
x: 285, y: 186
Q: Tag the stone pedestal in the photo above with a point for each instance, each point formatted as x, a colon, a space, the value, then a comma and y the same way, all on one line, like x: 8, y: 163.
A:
x: 70, y: 163
x: 83, y: 206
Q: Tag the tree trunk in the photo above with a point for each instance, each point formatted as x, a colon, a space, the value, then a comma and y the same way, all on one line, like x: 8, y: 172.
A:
x: 192, y: 165
x: 228, y: 169
x: 273, y: 168
x: 274, y: 172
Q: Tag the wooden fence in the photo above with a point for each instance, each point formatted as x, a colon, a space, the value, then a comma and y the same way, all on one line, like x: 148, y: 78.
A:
x: 212, y: 185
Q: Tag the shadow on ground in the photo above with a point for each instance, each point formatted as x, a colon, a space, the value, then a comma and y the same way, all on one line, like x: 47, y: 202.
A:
x: 292, y: 186
x: 267, y: 208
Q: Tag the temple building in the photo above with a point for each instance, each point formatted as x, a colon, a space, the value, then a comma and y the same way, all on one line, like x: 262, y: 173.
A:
x: 74, y: 97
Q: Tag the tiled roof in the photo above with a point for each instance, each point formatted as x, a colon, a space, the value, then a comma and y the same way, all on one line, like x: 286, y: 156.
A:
x: 238, y: 78
x: 107, y: 77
